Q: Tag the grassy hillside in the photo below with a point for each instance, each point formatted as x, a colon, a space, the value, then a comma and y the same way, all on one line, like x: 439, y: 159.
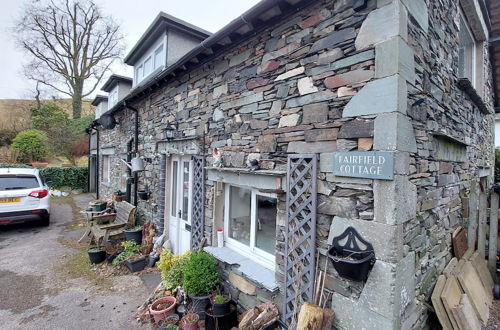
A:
x: 16, y: 114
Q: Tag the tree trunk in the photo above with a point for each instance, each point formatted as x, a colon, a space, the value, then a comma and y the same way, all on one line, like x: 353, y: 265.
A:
x: 310, y: 317
x: 77, y: 100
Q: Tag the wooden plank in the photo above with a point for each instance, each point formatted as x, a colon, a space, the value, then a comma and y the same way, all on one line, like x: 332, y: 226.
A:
x: 438, y: 303
x: 471, y: 283
x: 468, y: 254
x: 492, y: 250
x: 465, y: 315
x: 450, y: 267
x: 472, y: 228
x: 451, y: 298
x: 481, y: 229
x: 479, y: 265
x: 459, y: 239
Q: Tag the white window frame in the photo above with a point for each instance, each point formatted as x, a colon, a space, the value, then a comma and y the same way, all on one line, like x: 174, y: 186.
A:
x: 151, y: 65
x: 158, y: 51
x: 252, y: 252
x: 106, y: 175
x: 474, y: 63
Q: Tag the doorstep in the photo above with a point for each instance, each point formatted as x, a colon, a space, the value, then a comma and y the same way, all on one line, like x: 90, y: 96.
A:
x: 253, y: 271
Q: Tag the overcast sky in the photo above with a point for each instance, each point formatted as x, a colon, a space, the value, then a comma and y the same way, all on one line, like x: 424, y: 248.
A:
x: 134, y: 17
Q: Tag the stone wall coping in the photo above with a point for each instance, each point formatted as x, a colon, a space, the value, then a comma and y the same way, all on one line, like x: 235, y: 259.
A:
x: 249, y: 269
x: 465, y: 85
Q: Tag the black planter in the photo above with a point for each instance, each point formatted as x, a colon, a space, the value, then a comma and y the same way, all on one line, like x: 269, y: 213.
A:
x: 199, y: 305
x: 275, y: 325
x: 136, y: 264
x: 152, y: 260
x: 351, y: 259
x: 110, y: 257
x: 221, y: 309
x: 134, y: 235
x: 96, y: 257
x: 221, y: 322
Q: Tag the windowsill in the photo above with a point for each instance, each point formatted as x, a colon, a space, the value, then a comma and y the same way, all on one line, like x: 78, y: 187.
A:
x: 465, y: 85
x: 248, y: 268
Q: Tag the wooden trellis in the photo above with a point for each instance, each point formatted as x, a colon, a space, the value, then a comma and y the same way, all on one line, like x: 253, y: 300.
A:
x: 300, y: 233
x: 198, y: 206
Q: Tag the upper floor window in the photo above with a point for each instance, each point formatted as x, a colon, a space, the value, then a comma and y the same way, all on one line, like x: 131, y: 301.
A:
x: 466, y: 52
x: 113, y: 98
x: 148, y: 66
x: 159, y: 57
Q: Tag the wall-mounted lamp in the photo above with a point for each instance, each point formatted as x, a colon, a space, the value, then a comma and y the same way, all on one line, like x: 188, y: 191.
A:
x: 170, y: 131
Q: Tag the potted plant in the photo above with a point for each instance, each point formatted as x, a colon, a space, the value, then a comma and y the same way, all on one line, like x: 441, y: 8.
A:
x: 162, y: 307
x: 131, y: 256
x: 172, y: 268
x: 134, y: 234
x: 200, y: 278
x: 171, y: 327
x: 220, y: 305
x: 96, y: 255
x: 190, y: 321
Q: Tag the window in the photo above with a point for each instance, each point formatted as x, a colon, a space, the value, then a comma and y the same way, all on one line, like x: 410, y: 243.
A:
x: 148, y: 66
x: 106, y: 168
x: 113, y: 98
x: 159, y: 58
x: 466, y: 52
x: 17, y: 182
x: 138, y: 73
x: 250, y: 223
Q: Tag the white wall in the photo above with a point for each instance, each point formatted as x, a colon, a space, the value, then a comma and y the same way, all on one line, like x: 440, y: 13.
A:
x: 100, y: 109
x: 179, y: 44
x: 497, y: 134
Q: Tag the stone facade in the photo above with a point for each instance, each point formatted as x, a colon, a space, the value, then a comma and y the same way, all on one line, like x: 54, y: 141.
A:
x: 330, y: 78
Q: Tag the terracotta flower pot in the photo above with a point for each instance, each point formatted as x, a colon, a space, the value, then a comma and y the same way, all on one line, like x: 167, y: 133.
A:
x: 159, y: 315
x: 190, y: 321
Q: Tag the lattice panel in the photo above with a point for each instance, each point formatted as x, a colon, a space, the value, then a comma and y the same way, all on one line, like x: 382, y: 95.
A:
x: 198, y: 204
x: 300, y: 234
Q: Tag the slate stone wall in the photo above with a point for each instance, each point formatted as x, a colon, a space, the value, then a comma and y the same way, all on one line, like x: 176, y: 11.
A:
x: 329, y: 79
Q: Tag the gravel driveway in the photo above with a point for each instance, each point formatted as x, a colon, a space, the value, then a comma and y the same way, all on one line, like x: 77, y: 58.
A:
x: 46, y: 284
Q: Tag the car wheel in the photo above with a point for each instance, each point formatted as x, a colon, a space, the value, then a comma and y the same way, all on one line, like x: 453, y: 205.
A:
x: 45, y: 221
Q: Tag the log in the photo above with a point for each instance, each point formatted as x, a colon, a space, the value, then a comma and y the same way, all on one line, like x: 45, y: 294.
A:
x: 247, y: 319
x: 328, y: 316
x: 473, y: 216
x: 310, y: 317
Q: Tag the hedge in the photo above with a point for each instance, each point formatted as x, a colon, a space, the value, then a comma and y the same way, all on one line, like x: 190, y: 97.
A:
x: 73, y: 177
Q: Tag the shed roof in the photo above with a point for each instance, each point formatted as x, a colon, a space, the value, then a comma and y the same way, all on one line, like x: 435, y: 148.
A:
x: 113, y: 80
x: 98, y: 99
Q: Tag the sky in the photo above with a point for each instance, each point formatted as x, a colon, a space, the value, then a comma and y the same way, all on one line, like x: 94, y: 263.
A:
x: 134, y: 16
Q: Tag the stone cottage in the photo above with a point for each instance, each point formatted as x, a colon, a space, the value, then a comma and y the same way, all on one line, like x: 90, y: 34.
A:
x: 375, y: 115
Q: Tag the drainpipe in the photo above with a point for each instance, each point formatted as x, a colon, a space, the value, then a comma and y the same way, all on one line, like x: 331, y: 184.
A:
x: 97, y: 164
x: 136, y: 146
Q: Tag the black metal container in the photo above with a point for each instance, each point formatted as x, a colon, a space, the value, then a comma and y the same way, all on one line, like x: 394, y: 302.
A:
x: 134, y: 235
x: 353, y: 259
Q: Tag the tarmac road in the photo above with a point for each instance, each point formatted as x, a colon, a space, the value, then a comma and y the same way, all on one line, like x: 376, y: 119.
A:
x: 38, y: 291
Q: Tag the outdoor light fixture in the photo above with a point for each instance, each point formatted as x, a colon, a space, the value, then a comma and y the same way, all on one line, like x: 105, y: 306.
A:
x: 170, y: 130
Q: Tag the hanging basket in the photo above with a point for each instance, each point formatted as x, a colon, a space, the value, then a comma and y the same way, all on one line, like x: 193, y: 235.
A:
x: 352, y: 256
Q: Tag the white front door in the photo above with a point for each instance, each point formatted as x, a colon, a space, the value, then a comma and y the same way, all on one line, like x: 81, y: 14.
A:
x: 180, y: 203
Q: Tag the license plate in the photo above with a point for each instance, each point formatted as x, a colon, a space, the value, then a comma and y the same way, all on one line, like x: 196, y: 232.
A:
x: 10, y: 200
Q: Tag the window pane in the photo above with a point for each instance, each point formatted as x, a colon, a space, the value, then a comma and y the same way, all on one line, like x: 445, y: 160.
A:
x: 147, y: 66
x: 465, y: 52
x: 173, y: 191
x: 159, y: 57
x: 265, y: 228
x: 185, y: 190
x: 13, y: 182
x: 240, y: 200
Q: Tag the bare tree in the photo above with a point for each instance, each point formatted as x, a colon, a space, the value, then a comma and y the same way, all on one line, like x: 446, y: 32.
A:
x: 71, y: 43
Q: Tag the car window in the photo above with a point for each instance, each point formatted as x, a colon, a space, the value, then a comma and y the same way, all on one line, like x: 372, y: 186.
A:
x: 15, y: 182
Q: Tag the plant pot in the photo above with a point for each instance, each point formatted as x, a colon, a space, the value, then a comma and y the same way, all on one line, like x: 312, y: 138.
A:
x: 99, y: 207
x: 159, y: 315
x: 110, y: 257
x: 227, y: 321
x: 352, y: 265
x: 199, y: 305
x: 190, y: 326
x: 136, y: 265
x: 96, y: 257
x: 152, y: 260
x: 134, y: 235
x: 221, y: 309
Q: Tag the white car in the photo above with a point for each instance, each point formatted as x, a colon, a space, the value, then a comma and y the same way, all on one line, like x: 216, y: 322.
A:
x: 24, y: 196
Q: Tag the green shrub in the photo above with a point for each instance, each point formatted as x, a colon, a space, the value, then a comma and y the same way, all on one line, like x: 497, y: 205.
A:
x: 172, y: 268
x: 129, y: 249
x: 200, y: 274
x: 3, y: 165
x: 32, y: 145
x: 73, y: 177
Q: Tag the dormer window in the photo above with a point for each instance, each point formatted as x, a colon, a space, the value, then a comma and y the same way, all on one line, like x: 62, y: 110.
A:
x: 159, y: 57
x: 148, y: 66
